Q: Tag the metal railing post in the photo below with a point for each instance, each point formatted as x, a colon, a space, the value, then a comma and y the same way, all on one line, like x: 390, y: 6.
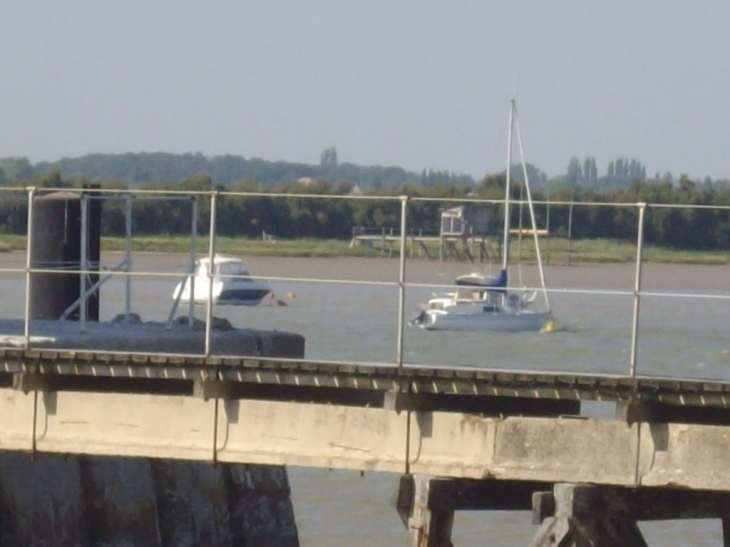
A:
x: 128, y: 255
x: 29, y: 249
x: 211, y: 270
x: 637, y: 290
x: 193, y: 252
x: 402, y: 278
x: 570, y: 230
x: 547, y: 228
x: 83, y: 262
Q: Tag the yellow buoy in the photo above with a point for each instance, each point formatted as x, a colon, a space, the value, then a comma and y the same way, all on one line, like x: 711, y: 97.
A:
x: 549, y: 327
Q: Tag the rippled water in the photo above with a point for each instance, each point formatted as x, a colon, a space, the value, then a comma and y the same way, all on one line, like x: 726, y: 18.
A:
x: 678, y: 337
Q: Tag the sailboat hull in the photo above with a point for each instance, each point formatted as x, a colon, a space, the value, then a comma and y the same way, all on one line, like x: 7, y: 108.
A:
x: 523, y: 321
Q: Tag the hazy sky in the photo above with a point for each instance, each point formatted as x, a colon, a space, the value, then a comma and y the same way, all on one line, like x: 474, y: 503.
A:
x: 418, y: 84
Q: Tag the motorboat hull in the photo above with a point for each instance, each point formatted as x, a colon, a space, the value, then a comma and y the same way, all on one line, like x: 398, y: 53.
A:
x: 243, y: 297
x: 501, y: 321
x: 228, y: 294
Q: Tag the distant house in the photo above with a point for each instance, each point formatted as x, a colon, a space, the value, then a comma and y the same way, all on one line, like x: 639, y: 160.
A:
x: 306, y: 181
x: 465, y: 221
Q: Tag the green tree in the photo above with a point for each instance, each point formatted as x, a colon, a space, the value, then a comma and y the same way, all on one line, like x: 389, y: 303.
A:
x: 16, y: 169
x: 575, y: 172
x: 328, y: 158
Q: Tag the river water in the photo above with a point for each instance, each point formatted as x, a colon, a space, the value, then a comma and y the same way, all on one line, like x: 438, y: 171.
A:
x: 679, y: 336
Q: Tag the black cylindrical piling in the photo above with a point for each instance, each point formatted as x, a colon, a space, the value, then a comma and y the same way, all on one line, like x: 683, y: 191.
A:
x: 93, y: 252
x: 56, y: 245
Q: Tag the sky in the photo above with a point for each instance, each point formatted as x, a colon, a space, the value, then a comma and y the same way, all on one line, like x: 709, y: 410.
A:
x: 410, y: 83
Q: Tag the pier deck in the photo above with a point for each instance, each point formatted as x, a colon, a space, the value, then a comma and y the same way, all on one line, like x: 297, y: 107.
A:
x: 376, y: 378
x: 451, y: 423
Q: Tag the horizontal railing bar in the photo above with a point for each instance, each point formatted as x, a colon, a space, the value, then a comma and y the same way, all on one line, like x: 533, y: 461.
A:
x: 165, y: 192
x: 606, y: 292
x: 178, y: 275
x: 687, y: 206
x: 191, y: 193
x: 686, y: 295
x: 609, y: 292
x: 262, y: 277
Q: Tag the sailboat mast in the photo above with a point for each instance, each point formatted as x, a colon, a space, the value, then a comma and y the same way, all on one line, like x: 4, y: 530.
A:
x: 531, y: 208
x: 505, y: 261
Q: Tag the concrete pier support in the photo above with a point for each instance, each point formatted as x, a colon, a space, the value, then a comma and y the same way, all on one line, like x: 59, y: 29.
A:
x: 427, y: 526
x: 426, y: 505
x: 584, y: 516
x: 569, y: 515
x: 90, y: 501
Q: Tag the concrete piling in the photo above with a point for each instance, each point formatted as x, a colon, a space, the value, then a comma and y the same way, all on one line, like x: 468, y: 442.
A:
x: 89, y: 501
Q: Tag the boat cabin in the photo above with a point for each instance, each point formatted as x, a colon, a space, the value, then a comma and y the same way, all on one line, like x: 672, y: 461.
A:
x: 223, y: 266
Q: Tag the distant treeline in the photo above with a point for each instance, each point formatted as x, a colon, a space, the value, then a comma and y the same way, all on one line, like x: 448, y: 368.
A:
x: 136, y: 169
x: 295, y: 216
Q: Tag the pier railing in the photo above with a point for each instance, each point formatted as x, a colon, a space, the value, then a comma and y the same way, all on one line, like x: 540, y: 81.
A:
x: 400, y: 282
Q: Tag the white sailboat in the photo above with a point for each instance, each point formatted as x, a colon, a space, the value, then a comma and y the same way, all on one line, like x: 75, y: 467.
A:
x: 481, y: 303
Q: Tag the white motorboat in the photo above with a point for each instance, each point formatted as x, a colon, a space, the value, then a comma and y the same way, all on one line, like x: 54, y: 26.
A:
x: 482, y: 303
x: 232, y: 284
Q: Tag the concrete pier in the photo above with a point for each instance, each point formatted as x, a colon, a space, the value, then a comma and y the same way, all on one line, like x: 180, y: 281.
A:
x: 82, y: 501
x: 449, y: 444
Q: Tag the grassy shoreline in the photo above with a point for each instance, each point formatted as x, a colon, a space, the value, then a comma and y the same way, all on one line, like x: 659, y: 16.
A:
x: 554, y: 250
